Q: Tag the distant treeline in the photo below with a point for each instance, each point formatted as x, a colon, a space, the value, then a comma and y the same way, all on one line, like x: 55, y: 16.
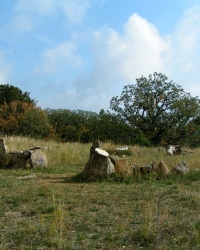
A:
x: 151, y: 112
x: 83, y: 126
x: 20, y: 115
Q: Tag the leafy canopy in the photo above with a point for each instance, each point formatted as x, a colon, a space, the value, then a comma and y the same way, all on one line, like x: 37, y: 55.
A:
x: 160, y: 108
x: 9, y: 93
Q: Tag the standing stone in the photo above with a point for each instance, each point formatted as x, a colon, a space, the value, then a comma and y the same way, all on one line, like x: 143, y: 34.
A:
x: 3, y: 153
x: 100, y: 165
x: 3, y: 147
x: 36, y: 157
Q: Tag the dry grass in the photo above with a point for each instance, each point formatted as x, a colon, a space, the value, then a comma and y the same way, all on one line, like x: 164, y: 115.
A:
x: 49, y: 209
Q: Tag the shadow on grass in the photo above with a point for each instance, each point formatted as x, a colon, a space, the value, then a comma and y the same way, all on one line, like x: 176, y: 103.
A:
x: 113, y: 178
x: 127, y: 179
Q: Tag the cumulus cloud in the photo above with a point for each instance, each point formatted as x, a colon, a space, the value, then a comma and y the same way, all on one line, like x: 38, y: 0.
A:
x: 188, y: 30
x: 120, y: 58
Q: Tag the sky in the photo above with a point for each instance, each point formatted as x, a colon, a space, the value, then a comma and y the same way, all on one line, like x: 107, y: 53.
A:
x: 78, y: 54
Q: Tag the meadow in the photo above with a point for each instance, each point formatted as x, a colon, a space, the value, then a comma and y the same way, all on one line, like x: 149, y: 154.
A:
x: 53, y: 208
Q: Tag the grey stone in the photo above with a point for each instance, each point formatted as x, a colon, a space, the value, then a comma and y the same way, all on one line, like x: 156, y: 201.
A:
x: 38, y: 159
x: 29, y: 158
x: 181, y: 168
x: 100, y: 164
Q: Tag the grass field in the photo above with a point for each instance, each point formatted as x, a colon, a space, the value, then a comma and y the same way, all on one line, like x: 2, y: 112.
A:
x: 51, y: 209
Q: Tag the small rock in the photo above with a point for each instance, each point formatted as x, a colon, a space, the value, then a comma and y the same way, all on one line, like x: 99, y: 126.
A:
x: 182, y: 168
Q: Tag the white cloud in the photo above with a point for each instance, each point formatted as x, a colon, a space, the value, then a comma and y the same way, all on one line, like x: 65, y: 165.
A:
x: 5, y: 70
x: 74, y: 10
x: 185, y: 50
x: 118, y: 57
x: 194, y: 89
x: 188, y: 30
x: 140, y: 50
x: 44, y: 7
x: 121, y: 58
x: 62, y: 56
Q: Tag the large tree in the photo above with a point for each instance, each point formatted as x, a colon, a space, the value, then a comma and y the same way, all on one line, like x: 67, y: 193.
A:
x: 9, y: 93
x: 160, y: 108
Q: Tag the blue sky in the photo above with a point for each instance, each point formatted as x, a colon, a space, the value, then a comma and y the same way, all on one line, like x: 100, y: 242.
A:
x: 78, y: 54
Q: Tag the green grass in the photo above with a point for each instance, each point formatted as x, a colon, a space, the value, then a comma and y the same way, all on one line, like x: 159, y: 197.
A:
x: 54, y: 209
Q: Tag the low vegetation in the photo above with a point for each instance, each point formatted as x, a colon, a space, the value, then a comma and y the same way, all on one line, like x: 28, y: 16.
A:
x: 52, y: 208
x: 150, y: 112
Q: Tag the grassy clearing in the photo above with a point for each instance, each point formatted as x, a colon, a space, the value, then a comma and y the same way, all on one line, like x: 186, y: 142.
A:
x: 49, y: 209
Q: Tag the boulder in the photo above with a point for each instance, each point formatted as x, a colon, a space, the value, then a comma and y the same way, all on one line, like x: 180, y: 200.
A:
x: 135, y: 169
x: 173, y: 149
x: 122, y: 166
x: 146, y: 169
x: 3, y: 147
x: 37, y: 158
x: 181, y: 168
x: 16, y: 159
x: 3, y: 152
x: 100, y: 164
x: 29, y: 158
x: 156, y: 168
x: 162, y: 169
x: 149, y: 168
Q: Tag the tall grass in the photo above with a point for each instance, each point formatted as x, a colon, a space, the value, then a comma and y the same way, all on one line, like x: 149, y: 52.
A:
x: 76, y: 154
x: 57, y: 226
x: 50, y: 210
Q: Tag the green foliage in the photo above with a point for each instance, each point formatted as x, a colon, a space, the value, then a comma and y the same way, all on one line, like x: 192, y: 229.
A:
x: 110, y: 127
x: 159, y: 108
x: 70, y: 125
x: 21, y: 118
x: 9, y: 93
x: 36, y: 124
x: 192, y: 137
x: 152, y: 111
x: 84, y: 126
x: 19, y: 114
